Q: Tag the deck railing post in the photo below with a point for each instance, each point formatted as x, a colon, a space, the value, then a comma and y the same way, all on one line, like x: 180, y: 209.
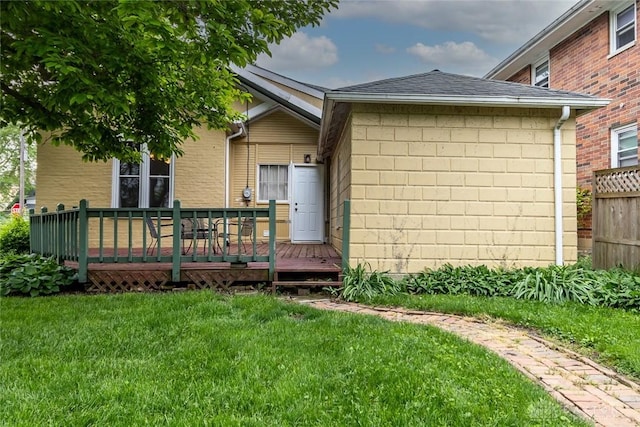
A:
x: 175, y: 268
x: 272, y: 239
x: 32, y: 232
x: 83, y: 244
x: 44, y: 232
x: 59, y: 232
x: 346, y: 233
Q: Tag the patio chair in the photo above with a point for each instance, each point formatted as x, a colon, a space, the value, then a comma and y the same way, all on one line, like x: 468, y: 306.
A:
x: 193, y: 230
x: 153, y: 231
x: 246, y: 230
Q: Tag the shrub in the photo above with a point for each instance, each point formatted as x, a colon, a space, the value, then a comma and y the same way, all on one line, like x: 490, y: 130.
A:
x: 32, y: 275
x: 358, y: 284
x: 468, y: 280
x: 14, y: 236
x: 556, y: 284
x: 615, y: 288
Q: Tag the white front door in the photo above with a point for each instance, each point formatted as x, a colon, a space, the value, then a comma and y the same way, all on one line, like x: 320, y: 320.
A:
x: 307, y: 219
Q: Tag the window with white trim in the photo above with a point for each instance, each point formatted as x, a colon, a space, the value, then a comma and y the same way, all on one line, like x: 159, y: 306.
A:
x: 273, y: 183
x: 624, y: 146
x: 148, y: 184
x: 540, y: 73
x: 623, y: 27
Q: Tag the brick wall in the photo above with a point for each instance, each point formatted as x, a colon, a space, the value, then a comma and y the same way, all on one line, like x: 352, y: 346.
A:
x: 432, y: 185
x: 523, y: 76
x: 581, y: 63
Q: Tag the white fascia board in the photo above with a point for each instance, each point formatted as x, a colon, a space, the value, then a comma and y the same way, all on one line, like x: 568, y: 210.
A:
x: 568, y: 23
x: 277, y: 92
x: 262, y: 72
x: 476, y: 101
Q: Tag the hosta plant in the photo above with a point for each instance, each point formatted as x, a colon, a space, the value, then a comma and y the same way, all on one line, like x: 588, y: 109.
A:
x: 33, y: 275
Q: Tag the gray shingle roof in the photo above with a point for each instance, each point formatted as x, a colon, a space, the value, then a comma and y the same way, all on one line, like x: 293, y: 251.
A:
x: 437, y: 83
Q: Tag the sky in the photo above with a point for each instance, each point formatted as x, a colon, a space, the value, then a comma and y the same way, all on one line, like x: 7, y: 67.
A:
x: 367, y: 40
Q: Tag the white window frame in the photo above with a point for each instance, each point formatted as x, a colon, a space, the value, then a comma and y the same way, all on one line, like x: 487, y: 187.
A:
x: 143, y: 191
x: 615, y: 137
x: 537, y: 64
x: 259, y: 196
x: 613, y: 28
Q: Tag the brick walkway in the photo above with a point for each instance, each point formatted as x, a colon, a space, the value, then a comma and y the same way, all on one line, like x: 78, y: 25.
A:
x: 584, y: 387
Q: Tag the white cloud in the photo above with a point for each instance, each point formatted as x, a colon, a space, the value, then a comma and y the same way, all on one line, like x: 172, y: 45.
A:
x: 513, y: 21
x: 300, y: 52
x: 384, y: 49
x: 461, y: 58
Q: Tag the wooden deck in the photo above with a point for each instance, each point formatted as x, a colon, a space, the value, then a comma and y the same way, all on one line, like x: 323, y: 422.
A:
x: 297, y: 265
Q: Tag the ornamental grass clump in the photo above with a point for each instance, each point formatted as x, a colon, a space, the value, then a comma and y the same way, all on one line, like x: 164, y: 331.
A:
x: 361, y: 284
x: 615, y: 288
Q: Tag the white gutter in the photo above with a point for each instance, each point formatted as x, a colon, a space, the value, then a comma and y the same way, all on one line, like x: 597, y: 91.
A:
x: 557, y: 182
x: 227, y: 141
x: 461, y: 100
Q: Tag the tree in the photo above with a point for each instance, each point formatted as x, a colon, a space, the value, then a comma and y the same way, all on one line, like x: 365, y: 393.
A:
x: 10, y: 165
x: 99, y: 74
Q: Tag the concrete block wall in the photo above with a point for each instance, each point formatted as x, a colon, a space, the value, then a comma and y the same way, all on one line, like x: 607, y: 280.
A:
x: 462, y: 185
x: 340, y: 188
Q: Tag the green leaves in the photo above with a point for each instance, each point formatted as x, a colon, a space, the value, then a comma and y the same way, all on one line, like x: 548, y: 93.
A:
x: 99, y: 74
x: 14, y: 236
x: 359, y: 284
x: 554, y: 284
x: 32, y: 275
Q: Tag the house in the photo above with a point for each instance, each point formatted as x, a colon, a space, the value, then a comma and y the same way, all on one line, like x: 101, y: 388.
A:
x: 439, y: 168
x: 245, y: 167
x: 593, y: 48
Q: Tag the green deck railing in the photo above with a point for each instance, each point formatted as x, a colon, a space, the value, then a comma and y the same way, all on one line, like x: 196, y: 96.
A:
x: 65, y: 235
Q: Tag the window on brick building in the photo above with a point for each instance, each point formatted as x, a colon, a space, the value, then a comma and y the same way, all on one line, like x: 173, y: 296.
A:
x: 624, y: 146
x: 148, y: 184
x: 540, y: 73
x: 273, y: 183
x: 623, y: 27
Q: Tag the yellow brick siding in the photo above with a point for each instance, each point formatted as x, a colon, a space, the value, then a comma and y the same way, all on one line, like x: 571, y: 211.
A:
x: 463, y: 185
x: 63, y: 177
x: 277, y: 138
x: 199, y: 173
x: 340, y: 187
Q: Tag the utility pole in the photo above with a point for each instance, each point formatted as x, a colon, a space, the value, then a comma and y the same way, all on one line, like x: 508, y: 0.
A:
x: 22, y: 159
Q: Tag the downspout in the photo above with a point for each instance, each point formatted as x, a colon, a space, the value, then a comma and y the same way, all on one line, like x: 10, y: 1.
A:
x: 557, y: 182
x: 226, y: 162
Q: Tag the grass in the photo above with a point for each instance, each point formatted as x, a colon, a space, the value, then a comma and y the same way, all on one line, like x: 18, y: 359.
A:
x: 611, y: 336
x: 196, y: 358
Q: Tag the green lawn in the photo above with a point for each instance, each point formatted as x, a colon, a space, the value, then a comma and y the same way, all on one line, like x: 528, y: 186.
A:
x: 611, y: 336
x: 197, y: 358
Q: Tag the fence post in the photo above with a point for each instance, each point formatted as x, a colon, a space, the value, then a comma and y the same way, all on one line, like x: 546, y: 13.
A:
x: 59, y: 233
x: 175, y: 268
x: 83, y: 246
x: 272, y: 239
x: 346, y: 237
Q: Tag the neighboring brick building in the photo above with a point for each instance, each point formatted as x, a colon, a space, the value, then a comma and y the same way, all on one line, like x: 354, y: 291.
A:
x: 593, y: 48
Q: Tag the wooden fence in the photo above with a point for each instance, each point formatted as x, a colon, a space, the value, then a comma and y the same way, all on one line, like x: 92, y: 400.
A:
x: 616, y: 218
